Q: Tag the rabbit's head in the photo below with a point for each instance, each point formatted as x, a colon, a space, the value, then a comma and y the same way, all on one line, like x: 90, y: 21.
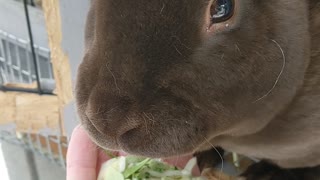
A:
x: 161, y: 78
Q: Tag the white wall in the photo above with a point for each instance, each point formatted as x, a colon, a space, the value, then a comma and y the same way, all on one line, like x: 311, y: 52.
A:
x: 73, y: 15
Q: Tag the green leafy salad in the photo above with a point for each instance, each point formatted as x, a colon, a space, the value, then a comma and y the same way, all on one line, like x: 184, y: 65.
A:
x: 136, y: 168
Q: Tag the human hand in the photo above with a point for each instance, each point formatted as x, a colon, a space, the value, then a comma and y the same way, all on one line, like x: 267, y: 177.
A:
x: 84, y: 158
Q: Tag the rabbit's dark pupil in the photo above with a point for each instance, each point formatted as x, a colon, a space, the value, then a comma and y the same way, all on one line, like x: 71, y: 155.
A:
x: 221, y: 10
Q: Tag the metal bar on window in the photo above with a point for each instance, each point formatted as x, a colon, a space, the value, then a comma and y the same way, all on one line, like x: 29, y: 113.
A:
x: 24, y: 90
x: 50, y: 66
x: 9, y: 60
x: 28, y: 64
x: 49, y: 147
x: 3, y: 58
x: 39, y: 144
x: 62, y: 161
x: 36, y: 49
x: 32, y: 45
x: 26, y: 73
x: 18, y: 63
x: 32, y: 3
x: 1, y: 46
x: 14, y: 67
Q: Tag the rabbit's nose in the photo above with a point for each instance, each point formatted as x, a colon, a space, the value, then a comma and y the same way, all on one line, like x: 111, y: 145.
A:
x: 109, y: 114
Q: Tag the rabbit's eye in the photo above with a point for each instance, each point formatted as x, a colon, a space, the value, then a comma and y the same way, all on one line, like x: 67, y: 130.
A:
x: 221, y: 10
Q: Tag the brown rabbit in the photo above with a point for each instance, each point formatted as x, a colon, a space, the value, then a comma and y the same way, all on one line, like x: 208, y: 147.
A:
x: 163, y: 78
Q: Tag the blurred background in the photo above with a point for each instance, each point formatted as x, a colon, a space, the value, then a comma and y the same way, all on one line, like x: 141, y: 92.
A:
x: 41, y: 45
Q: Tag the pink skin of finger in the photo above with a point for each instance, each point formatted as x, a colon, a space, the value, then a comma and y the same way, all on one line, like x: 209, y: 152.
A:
x: 84, y: 158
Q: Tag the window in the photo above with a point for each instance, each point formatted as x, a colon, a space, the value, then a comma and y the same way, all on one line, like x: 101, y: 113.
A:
x: 17, y: 63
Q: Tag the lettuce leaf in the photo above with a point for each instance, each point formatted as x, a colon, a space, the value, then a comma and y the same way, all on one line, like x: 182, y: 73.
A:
x: 137, y: 168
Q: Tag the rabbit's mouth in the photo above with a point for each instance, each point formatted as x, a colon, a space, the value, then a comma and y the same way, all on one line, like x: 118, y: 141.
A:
x: 170, y: 126
x: 154, y: 141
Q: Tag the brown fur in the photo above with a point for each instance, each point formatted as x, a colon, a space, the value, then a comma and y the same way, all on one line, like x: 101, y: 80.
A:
x: 153, y: 82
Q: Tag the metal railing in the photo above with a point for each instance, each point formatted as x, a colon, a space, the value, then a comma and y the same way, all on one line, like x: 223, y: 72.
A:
x: 41, y: 143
